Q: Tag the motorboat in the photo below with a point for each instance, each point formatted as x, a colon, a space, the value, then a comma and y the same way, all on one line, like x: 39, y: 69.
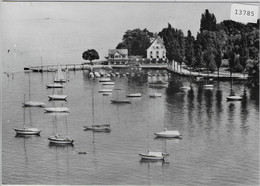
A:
x: 168, y: 134
x: 57, y: 97
x: 153, y: 155
x: 56, y: 109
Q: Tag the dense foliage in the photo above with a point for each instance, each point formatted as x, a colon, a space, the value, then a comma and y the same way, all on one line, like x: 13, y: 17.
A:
x: 90, y: 55
x: 136, y: 41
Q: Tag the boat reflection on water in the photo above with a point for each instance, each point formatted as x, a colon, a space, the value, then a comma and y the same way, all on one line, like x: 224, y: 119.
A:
x: 51, y: 145
x: 27, y: 136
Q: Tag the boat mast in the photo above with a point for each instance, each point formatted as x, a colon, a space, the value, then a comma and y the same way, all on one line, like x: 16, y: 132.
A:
x: 29, y: 86
x: 93, y: 117
x: 24, y: 113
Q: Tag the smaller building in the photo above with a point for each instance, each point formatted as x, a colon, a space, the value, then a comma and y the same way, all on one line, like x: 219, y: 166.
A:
x: 157, y: 50
x: 117, y: 56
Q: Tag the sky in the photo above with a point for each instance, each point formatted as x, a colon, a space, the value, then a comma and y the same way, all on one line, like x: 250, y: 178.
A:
x: 60, y: 32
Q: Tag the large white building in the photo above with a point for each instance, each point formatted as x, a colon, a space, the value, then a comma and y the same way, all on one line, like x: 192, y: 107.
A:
x: 157, y: 49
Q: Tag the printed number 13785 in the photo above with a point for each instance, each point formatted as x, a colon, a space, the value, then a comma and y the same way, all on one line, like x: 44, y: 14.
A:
x: 244, y: 12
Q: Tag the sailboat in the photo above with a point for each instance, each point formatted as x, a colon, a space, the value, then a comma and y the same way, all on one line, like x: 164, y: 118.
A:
x: 93, y: 127
x: 119, y: 100
x: 59, y: 77
x: 56, y: 109
x: 232, y: 96
x: 31, y: 103
x: 26, y: 130
x: 168, y: 133
x: 58, y: 139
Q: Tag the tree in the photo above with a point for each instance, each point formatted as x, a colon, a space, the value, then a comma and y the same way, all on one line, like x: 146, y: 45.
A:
x: 208, y: 21
x: 189, y: 50
x: 90, y: 55
x: 136, y: 41
x: 174, y: 43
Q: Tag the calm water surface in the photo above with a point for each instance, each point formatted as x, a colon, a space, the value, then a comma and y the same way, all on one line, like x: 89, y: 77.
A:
x: 220, y: 144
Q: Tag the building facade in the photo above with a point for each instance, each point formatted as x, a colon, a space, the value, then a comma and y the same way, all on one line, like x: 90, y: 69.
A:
x: 117, y: 56
x: 157, y: 50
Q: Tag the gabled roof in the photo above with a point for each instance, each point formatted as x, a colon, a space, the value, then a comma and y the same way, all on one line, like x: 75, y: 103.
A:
x: 120, y: 51
x: 158, y: 38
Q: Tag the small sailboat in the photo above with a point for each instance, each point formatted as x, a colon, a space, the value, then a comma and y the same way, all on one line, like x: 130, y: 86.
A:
x: 31, y: 103
x: 60, y: 96
x: 152, y: 155
x: 105, y: 80
x: 59, y: 77
x: 232, y: 96
x: 119, y: 100
x: 60, y: 140
x: 168, y: 133
x: 26, y: 130
x: 105, y: 90
x: 93, y: 127
x: 56, y: 109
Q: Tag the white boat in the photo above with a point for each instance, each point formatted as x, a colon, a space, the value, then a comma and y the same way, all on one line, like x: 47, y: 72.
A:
x: 57, y: 139
x: 105, y: 80
x: 94, y: 127
x: 55, y: 85
x: 31, y: 103
x: 59, y: 77
x: 108, y: 83
x: 56, y: 109
x: 134, y: 95
x: 208, y: 86
x: 234, y: 98
x: 153, y: 155
x: 26, y: 130
x: 105, y: 90
x: 153, y: 95
x: 168, y: 134
x: 97, y: 74
x: 57, y: 97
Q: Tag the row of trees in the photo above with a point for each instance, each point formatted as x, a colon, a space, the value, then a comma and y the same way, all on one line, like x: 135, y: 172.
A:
x: 235, y: 42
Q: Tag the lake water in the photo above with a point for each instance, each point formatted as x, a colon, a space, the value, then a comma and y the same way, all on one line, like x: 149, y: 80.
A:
x: 220, y: 144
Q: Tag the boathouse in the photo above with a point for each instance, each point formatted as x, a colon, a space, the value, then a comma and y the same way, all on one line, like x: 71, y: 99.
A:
x: 117, y: 56
x: 157, y: 50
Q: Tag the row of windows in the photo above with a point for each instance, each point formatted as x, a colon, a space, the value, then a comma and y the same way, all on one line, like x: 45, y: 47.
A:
x: 157, y: 52
x: 157, y: 47
x: 157, y: 57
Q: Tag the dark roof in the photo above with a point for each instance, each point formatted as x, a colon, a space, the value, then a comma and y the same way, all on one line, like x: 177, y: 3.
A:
x: 120, y: 51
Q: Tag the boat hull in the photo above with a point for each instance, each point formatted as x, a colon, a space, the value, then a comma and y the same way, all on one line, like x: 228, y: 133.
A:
x: 98, y: 128
x: 56, y: 109
x: 55, y: 86
x: 168, y: 134
x: 105, y: 90
x: 27, y: 131
x: 33, y: 104
x: 120, y: 101
x: 57, y: 97
x: 153, y: 156
x: 55, y: 140
x: 234, y: 98
x: 134, y: 95
x: 155, y: 95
